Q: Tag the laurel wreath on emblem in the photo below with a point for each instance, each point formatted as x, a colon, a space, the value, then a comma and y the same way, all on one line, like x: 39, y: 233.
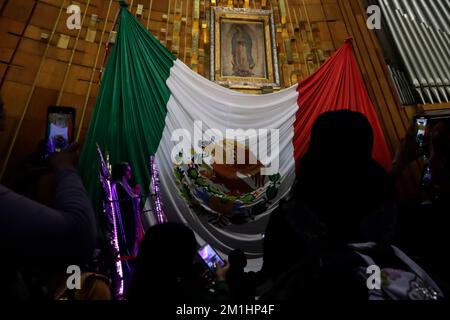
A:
x: 217, y: 203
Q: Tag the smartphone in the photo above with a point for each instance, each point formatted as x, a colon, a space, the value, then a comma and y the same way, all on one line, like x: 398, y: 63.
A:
x: 210, y: 257
x: 422, y: 124
x: 60, y: 129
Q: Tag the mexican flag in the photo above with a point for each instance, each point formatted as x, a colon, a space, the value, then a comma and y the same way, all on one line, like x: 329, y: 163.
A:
x: 151, y: 103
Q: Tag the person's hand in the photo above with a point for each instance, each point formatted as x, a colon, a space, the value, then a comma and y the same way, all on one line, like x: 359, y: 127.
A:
x: 410, y: 146
x: 67, y: 159
x: 407, y: 152
x: 137, y: 189
x: 221, y: 272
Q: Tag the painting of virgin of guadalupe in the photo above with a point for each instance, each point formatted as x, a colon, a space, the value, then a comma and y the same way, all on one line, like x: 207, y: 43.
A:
x: 244, y: 52
x: 243, y: 48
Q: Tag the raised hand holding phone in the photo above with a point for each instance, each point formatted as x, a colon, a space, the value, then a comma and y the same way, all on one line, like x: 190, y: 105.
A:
x: 67, y: 159
x: 413, y: 146
x: 422, y: 131
x: 407, y: 151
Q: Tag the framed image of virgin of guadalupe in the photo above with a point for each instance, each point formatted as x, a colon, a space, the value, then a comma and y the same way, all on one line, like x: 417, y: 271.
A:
x: 243, y: 48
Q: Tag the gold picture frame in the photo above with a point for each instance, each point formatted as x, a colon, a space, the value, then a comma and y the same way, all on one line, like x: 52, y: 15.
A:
x: 243, y: 48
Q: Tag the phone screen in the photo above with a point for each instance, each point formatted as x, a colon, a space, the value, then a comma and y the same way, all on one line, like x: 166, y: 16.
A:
x: 210, y: 257
x: 421, y: 130
x: 60, y: 129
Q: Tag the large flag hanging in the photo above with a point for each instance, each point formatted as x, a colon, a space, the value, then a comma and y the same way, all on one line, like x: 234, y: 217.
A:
x: 148, y: 98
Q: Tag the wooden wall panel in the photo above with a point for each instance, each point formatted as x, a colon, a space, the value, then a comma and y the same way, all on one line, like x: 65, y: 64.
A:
x: 33, y: 129
x: 44, y: 16
x: 14, y: 96
x: 18, y: 10
x: 2, y: 4
x: 25, y: 68
x: 9, y: 43
x: 10, y: 31
x: 31, y: 47
x: 3, y: 67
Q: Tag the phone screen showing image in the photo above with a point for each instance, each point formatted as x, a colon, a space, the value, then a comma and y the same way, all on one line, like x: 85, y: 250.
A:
x: 210, y: 257
x: 60, y: 129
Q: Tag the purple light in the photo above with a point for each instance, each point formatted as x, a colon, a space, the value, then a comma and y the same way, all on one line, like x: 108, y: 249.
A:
x: 204, y: 252
x: 116, y: 245
x: 114, y: 211
x: 156, y: 191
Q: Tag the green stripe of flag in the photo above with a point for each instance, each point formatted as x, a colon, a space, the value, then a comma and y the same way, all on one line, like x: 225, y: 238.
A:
x: 129, y: 115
